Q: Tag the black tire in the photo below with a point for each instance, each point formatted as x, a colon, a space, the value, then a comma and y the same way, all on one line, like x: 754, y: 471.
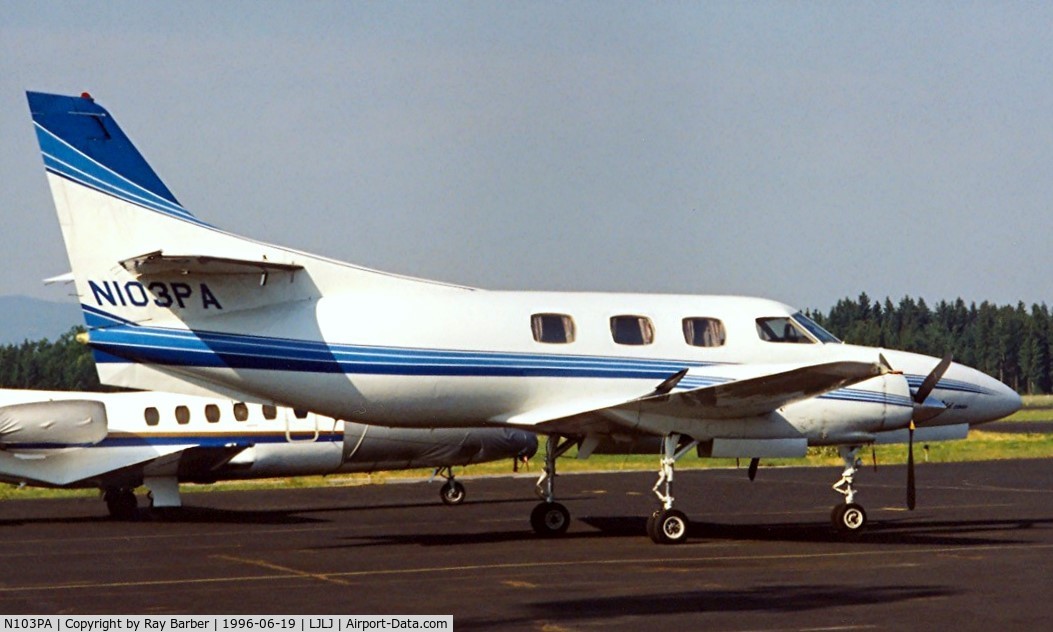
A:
x: 550, y: 519
x: 452, y: 493
x: 849, y: 518
x: 122, y: 504
x: 651, y: 520
x: 670, y: 527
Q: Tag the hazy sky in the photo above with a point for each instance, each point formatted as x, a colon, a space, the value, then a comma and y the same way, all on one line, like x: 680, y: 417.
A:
x: 799, y: 151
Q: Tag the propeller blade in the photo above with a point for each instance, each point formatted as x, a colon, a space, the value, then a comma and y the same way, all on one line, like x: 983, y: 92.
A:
x: 754, y: 463
x: 911, y: 491
x: 931, y: 379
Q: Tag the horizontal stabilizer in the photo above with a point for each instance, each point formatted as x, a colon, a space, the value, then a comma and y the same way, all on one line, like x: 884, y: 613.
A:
x: 158, y: 264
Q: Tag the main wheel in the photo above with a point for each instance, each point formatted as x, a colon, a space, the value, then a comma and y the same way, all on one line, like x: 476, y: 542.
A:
x: 452, y: 493
x: 670, y: 527
x: 549, y: 519
x: 651, y: 520
x: 121, y: 504
x: 849, y: 518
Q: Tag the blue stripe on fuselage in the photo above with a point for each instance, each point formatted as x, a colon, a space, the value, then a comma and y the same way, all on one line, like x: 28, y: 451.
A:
x: 116, y: 341
x: 232, y: 440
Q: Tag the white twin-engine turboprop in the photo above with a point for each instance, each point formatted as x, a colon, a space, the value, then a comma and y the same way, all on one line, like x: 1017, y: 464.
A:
x: 118, y: 441
x: 173, y: 303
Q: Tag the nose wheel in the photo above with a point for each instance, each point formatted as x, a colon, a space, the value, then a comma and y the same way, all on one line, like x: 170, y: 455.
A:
x: 667, y: 526
x: 849, y: 518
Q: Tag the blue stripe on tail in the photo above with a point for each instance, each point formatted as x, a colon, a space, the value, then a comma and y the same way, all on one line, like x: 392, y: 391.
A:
x: 83, y: 143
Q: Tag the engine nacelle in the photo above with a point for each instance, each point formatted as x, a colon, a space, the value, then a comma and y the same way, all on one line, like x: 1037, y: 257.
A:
x: 53, y: 424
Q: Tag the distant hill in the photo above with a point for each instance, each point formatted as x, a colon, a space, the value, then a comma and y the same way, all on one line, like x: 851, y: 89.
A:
x: 24, y: 318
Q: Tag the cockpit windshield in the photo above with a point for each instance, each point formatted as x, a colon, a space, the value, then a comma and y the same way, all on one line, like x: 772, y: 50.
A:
x: 795, y: 329
x: 813, y: 328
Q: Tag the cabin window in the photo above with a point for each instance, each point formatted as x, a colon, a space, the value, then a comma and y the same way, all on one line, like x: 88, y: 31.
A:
x: 552, y: 328
x: 781, y: 329
x: 704, y: 332
x: 269, y: 412
x: 212, y: 413
x: 241, y: 411
x: 182, y: 415
x: 813, y: 328
x: 152, y: 416
x: 632, y: 330
x: 300, y: 413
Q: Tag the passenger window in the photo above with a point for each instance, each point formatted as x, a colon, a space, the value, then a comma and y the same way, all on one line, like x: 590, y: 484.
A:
x: 212, y: 413
x: 182, y: 415
x: 269, y: 412
x: 632, y: 330
x: 781, y: 329
x: 152, y: 416
x: 552, y: 328
x: 241, y: 411
x: 300, y: 413
x: 704, y: 332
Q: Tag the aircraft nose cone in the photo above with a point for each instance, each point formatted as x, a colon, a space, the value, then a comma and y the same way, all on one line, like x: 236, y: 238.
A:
x: 994, y: 400
x: 1004, y: 401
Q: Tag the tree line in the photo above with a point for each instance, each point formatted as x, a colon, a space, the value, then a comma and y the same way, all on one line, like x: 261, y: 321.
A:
x: 1010, y: 343
x: 62, y: 365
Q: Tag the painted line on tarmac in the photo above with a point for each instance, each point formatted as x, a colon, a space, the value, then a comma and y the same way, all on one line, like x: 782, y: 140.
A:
x: 294, y: 574
x: 276, y: 567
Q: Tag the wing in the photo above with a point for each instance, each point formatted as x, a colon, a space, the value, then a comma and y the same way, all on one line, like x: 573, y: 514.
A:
x: 756, y: 396
x: 735, y: 392
x: 72, y: 466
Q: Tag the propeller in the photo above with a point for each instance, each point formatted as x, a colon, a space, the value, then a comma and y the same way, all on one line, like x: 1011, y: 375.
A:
x: 754, y: 462
x: 923, y: 411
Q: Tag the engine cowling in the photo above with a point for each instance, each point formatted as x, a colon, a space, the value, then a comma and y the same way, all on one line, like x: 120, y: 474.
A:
x: 53, y: 424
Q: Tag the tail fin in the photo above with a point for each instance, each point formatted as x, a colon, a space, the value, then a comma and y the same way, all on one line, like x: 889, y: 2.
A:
x: 146, y: 269
x: 82, y: 143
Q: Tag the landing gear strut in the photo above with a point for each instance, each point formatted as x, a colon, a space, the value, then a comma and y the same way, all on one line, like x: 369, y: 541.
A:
x: 849, y: 516
x: 550, y: 518
x: 668, y: 525
x: 452, y: 492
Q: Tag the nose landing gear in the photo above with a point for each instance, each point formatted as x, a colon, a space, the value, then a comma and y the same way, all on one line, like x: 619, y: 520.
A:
x: 849, y: 517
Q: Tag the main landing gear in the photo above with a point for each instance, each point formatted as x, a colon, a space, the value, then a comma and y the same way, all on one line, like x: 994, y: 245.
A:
x: 452, y: 492
x: 550, y: 518
x: 121, y: 503
x: 668, y: 525
x: 849, y: 517
x: 664, y: 526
